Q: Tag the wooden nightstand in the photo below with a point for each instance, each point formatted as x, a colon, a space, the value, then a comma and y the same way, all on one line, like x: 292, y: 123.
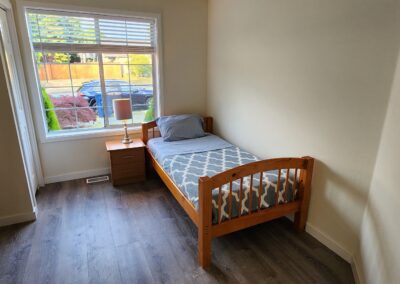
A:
x: 127, y: 161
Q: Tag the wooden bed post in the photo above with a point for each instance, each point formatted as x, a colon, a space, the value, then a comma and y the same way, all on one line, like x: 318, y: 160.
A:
x: 208, y: 124
x: 205, y: 222
x: 300, y: 218
x: 145, y: 134
x: 145, y: 130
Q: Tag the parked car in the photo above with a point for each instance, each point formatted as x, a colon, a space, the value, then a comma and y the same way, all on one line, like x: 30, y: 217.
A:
x: 140, y: 96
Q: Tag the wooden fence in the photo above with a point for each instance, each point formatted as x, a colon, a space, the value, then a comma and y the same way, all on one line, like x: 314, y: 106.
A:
x: 81, y: 71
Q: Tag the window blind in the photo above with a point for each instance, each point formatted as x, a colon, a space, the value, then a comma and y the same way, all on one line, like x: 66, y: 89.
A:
x: 53, y: 31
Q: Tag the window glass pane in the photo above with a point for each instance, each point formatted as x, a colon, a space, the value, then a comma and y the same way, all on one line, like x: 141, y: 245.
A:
x: 138, y: 116
x: 117, y: 87
x: 141, y: 68
x: 53, y: 69
x: 47, y: 28
x: 69, y: 81
x: 84, y: 68
x: 67, y: 118
x: 53, y: 58
x: 141, y: 99
x: 57, y: 92
x: 116, y: 72
x: 89, y: 118
x: 109, y: 58
x: 69, y: 110
x: 141, y: 75
x: 140, y: 59
x: 91, y: 91
x: 141, y: 78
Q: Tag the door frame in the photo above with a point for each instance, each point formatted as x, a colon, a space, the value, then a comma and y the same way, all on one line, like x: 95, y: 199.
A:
x: 6, y: 5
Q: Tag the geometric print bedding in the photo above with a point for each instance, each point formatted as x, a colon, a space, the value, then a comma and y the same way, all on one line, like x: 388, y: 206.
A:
x: 185, y: 170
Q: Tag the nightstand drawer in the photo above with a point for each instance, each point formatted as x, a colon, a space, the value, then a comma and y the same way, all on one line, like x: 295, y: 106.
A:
x: 127, y: 161
x: 124, y: 172
x: 128, y: 157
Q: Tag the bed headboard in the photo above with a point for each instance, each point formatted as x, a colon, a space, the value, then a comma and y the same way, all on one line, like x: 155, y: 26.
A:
x: 149, y: 128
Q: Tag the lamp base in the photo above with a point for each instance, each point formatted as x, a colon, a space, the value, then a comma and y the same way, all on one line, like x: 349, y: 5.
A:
x: 126, y: 141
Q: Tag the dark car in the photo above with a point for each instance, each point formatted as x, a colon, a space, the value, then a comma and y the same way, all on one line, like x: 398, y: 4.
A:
x: 140, y: 95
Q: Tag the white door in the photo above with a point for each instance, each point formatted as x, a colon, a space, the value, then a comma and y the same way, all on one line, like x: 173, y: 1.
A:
x: 10, y: 69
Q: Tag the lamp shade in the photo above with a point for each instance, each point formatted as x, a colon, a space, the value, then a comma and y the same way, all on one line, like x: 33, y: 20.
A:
x: 122, y: 109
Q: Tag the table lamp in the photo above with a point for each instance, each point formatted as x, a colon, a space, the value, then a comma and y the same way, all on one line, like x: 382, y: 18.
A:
x: 123, y: 111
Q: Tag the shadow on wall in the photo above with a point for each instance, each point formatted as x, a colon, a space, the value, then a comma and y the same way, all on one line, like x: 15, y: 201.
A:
x: 326, y: 183
x: 373, y: 256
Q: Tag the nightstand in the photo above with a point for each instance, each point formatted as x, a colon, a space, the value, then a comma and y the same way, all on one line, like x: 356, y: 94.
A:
x: 127, y: 161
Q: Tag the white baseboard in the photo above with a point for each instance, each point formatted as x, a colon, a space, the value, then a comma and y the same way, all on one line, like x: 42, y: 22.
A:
x: 357, y: 271
x: 77, y: 175
x: 18, y: 218
x: 339, y: 250
x: 331, y: 244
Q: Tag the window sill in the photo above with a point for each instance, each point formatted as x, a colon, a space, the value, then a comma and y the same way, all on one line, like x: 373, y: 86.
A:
x: 88, y: 134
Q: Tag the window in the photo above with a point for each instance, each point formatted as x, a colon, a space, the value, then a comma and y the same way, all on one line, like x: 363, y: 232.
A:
x: 85, y: 61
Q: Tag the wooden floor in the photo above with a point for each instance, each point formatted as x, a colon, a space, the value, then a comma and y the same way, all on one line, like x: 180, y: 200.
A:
x: 139, y: 234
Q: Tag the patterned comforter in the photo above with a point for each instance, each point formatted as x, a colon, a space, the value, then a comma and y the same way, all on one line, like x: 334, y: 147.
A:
x: 185, y: 170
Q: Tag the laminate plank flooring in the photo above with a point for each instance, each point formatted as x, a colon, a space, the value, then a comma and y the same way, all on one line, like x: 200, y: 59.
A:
x: 139, y: 234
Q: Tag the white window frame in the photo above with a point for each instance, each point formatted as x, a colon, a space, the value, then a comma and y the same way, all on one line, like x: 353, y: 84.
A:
x: 34, y: 82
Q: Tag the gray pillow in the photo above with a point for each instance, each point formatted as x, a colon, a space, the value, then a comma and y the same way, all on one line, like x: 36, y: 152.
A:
x: 180, y: 127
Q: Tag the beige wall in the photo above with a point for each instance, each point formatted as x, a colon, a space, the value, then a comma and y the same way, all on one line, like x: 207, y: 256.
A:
x: 15, y: 203
x: 184, y: 35
x: 293, y: 78
x: 379, y: 246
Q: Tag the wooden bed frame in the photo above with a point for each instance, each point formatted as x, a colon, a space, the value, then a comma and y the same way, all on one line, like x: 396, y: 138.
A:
x: 303, y: 168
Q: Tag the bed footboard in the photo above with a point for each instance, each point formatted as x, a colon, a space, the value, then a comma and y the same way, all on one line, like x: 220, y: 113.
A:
x: 300, y: 170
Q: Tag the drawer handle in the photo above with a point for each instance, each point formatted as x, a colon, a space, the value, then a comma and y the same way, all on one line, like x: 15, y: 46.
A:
x: 128, y: 157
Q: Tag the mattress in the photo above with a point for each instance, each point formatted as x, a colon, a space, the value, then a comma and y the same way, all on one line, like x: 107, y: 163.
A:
x: 187, y: 160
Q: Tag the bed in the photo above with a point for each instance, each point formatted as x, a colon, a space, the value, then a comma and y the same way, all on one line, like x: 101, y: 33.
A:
x: 223, y: 188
